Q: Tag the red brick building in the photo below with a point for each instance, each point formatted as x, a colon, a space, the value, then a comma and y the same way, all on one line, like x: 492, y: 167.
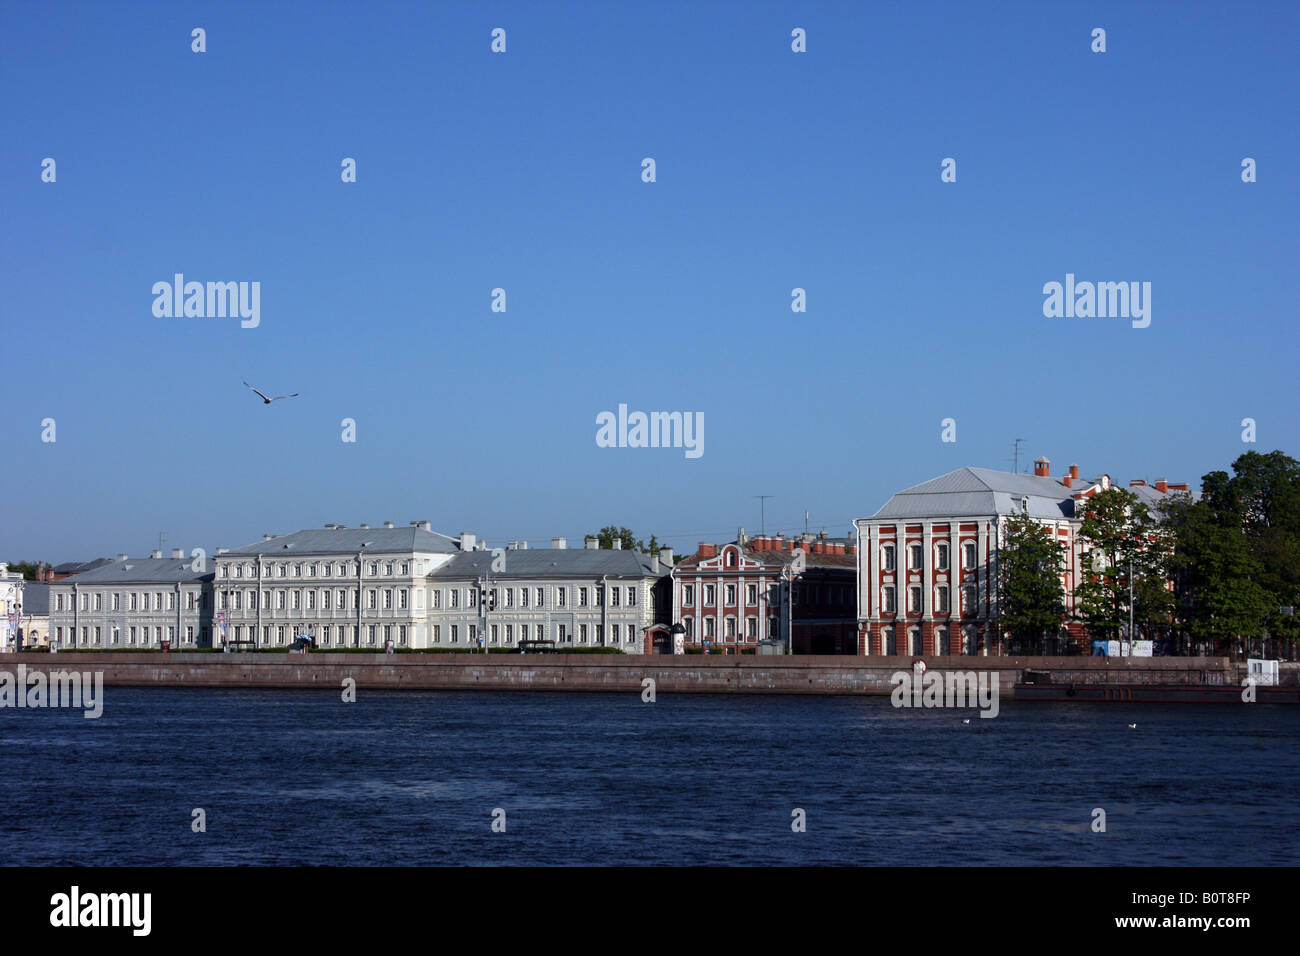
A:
x: 928, y: 560
x: 769, y: 588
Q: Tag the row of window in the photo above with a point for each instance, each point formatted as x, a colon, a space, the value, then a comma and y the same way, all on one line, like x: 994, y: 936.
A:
x: 560, y: 633
x: 311, y: 599
x: 815, y: 593
x: 916, y: 552
x: 132, y: 636
x: 968, y: 642
x: 311, y: 569
x: 130, y: 601
x: 523, y: 597
x: 730, y: 628
x: 969, y: 599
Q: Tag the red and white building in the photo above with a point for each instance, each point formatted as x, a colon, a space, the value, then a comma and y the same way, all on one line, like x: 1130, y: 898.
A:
x: 769, y: 588
x: 928, y: 560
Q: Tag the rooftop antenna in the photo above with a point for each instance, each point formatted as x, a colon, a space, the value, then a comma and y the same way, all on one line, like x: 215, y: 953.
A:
x: 162, y: 535
x: 1016, y: 466
x: 762, y: 507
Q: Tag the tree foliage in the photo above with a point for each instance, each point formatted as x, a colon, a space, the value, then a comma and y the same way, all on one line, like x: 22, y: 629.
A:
x: 1031, y: 562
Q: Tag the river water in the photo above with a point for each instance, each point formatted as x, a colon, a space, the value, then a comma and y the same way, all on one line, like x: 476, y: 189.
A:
x: 409, y: 778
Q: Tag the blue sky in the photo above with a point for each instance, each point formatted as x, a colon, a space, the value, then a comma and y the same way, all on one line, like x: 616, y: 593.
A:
x: 522, y: 171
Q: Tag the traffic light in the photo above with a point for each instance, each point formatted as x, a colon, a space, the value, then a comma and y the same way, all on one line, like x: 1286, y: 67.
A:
x: 492, y: 599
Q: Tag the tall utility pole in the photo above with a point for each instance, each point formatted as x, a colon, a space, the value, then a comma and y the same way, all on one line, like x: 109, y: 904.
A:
x: 762, y: 506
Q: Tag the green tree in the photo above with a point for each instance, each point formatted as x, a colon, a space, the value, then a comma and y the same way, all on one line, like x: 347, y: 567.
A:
x: 630, y: 542
x: 27, y: 569
x: 1125, y: 552
x: 1031, y: 594
x: 1216, y: 578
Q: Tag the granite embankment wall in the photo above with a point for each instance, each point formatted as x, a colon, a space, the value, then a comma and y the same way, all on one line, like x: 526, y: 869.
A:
x: 576, y: 672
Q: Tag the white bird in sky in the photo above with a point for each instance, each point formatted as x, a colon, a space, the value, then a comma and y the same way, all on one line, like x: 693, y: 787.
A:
x: 268, y: 401
x: 1132, y: 726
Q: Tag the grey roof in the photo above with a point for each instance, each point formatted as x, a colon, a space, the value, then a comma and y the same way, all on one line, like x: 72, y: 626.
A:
x: 36, y: 598
x: 552, y: 563
x: 350, y: 541
x: 142, y: 571
x: 77, y: 567
x: 982, y: 491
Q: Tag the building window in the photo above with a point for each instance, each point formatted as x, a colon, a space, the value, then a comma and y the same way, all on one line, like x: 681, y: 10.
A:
x: 631, y: 597
x: 508, y: 594
x: 914, y: 557
x: 731, y: 558
x: 887, y: 605
x: 731, y: 595
x: 941, y: 600
x: 541, y: 597
x: 561, y: 598
x: 914, y: 600
x: 689, y: 623
x: 710, y: 595
x: 710, y: 627
x: 941, y: 556
x: 523, y: 597
x: 582, y: 633
x: 968, y: 555
x: 582, y: 599
x: 688, y: 595
x: 969, y: 601
x: 455, y: 634
x: 888, y: 557
x: 453, y: 598
x: 731, y: 628
x: 401, y: 599
x: 751, y: 595
x: 613, y: 597
x: 751, y: 628
x: 388, y: 599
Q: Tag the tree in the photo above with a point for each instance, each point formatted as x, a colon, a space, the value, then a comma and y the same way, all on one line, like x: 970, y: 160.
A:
x: 1216, y: 579
x: 27, y: 569
x: 1126, y: 552
x: 1031, y: 594
x: 630, y: 542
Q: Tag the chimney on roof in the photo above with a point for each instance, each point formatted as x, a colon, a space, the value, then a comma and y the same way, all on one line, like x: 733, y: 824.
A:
x: 155, y: 553
x: 512, y: 545
x: 268, y: 537
x: 618, y: 544
x: 388, y: 524
x: 1042, y: 467
x: 121, y: 557
x: 523, y: 545
x: 467, y: 541
x: 740, y: 536
x: 591, y: 542
x: 708, y: 550
x: 1074, y: 472
x: 1179, y: 486
x: 1137, y: 483
x: 1162, y: 486
x: 666, y: 556
x: 363, y: 526
x: 222, y: 550
x: 422, y: 525
x: 1069, y: 481
x: 178, y: 552
x: 559, y: 544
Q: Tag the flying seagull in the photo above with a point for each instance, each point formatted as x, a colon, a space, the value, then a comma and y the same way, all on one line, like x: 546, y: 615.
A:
x: 268, y: 401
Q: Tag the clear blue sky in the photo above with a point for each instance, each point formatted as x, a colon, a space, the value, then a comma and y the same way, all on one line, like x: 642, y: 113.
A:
x: 775, y: 170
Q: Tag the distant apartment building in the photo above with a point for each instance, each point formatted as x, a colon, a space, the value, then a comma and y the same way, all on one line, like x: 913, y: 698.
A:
x: 574, y: 597
x: 134, y: 602
x: 928, y: 559
x: 34, y: 614
x: 799, y: 591
x: 345, y: 587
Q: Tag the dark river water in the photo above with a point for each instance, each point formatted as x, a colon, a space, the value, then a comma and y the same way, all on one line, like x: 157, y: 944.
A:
x: 299, y: 777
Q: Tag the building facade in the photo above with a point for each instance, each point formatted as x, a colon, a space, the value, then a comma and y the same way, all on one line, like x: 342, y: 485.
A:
x: 344, y: 587
x: 799, y: 591
x: 928, y: 560
x: 134, y: 602
x: 573, y: 597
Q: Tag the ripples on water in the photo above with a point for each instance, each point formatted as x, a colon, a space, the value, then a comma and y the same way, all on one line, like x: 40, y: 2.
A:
x: 298, y: 777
